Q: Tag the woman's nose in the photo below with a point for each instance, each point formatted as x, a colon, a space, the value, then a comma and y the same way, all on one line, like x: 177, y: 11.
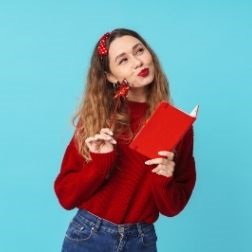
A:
x: 137, y: 62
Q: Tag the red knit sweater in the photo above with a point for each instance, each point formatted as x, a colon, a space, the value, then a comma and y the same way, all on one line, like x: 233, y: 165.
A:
x: 119, y: 187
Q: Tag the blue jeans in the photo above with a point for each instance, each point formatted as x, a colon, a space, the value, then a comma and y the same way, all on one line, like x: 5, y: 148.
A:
x: 88, y: 232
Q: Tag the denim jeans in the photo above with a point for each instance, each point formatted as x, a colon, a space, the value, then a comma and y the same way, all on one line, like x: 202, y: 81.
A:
x: 88, y: 232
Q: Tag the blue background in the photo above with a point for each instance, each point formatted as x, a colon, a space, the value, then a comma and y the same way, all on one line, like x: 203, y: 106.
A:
x: 205, y: 49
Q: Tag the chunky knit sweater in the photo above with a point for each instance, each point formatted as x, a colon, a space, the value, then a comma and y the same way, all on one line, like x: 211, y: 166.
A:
x: 119, y: 187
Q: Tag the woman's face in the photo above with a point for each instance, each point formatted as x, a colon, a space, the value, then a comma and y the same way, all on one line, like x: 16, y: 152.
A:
x: 129, y: 59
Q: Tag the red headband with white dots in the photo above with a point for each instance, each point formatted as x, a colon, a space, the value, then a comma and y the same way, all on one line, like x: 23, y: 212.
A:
x: 102, y: 50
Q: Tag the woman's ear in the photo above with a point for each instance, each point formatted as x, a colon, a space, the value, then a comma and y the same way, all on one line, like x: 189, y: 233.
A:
x: 110, y: 77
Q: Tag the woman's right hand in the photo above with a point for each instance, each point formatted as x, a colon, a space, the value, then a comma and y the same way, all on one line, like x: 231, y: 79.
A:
x: 102, y: 142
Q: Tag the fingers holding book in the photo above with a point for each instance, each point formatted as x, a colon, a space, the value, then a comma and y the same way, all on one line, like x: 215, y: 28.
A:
x: 168, y: 154
x: 165, y: 164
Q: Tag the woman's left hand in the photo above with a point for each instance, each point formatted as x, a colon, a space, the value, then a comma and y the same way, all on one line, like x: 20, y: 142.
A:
x: 165, y: 164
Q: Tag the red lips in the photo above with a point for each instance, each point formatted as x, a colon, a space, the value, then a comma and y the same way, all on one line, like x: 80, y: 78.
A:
x: 144, y: 72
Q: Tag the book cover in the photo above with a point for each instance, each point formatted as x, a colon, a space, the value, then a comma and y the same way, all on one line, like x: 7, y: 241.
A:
x: 163, y: 130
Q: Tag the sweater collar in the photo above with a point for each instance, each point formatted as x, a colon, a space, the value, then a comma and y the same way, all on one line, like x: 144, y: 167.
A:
x: 137, y: 108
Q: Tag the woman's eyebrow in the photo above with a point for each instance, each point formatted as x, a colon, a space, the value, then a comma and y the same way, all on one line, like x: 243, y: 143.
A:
x: 119, y: 56
x: 122, y: 54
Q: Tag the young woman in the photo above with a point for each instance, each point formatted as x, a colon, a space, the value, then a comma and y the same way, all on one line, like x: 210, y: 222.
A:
x: 118, y: 192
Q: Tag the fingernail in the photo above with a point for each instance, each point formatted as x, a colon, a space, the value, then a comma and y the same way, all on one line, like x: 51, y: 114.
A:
x: 146, y: 162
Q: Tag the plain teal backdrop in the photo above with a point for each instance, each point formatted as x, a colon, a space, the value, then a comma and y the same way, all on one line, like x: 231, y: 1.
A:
x: 205, y: 49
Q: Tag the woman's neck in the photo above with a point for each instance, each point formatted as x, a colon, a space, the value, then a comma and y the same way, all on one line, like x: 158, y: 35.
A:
x: 137, y: 95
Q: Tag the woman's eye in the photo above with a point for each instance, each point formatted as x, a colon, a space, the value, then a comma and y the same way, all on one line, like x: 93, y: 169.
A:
x: 140, y: 50
x: 122, y: 61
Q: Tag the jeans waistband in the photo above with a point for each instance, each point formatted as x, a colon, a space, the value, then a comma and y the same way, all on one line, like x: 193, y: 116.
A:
x: 96, y: 223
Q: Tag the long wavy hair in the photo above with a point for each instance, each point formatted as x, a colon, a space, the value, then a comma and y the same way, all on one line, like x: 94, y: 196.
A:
x: 98, y: 104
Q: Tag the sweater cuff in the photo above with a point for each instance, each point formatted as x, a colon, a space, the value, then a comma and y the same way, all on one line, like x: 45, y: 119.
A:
x: 160, y: 180
x: 104, y: 161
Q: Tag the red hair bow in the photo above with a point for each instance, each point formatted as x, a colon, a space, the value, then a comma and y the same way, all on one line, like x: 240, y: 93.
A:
x: 102, y: 50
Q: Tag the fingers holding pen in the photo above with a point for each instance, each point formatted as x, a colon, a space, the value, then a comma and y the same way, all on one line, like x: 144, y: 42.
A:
x: 107, y: 134
x: 102, y: 142
x: 104, y: 137
x: 106, y: 131
x: 99, y: 138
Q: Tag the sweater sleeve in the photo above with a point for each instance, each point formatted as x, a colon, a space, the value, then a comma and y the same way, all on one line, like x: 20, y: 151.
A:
x: 172, y: 194
x: 78, y: 180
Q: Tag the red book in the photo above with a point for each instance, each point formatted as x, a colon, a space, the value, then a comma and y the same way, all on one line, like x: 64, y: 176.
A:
x: 163, y: 130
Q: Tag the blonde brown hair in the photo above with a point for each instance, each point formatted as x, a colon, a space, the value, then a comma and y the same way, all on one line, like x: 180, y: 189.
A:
x: 98, y: 104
